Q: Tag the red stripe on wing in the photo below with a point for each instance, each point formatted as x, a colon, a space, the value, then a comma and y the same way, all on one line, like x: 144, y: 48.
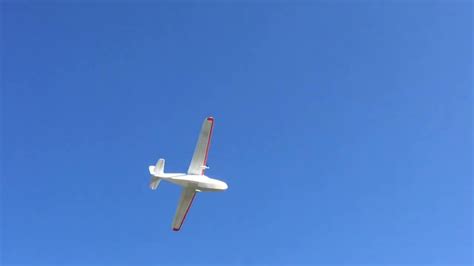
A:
x: 211, y: 119
x: 186, y: 213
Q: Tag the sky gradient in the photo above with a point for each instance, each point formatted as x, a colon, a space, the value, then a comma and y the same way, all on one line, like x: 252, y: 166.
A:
x: 343, y: 130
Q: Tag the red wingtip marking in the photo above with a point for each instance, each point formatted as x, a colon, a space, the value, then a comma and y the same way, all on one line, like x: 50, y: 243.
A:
x: 186, y: 213
x: 208, y: 142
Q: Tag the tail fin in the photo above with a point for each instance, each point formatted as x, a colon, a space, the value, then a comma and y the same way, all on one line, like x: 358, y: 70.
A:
x: 155, y: 172
x: 158, y: 169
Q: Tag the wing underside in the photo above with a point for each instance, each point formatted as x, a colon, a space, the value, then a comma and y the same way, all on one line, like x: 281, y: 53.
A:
x: 197, y: 167
x: 198, y: 163
x: 185, y: 201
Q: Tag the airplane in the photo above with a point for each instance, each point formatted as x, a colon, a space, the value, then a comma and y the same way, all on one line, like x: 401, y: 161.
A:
x: 194, y: 180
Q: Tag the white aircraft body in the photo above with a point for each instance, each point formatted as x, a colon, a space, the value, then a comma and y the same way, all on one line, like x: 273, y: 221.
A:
x: 194, y: 180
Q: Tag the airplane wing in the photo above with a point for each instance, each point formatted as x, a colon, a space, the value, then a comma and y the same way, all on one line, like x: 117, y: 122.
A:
x: 198, y: 163
x: 187, y: 196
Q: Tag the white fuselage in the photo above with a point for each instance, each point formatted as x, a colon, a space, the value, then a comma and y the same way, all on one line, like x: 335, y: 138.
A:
x: 199, y: 182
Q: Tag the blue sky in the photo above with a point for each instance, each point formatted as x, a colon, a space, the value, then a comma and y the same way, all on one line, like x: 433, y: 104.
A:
x: 344, y: 131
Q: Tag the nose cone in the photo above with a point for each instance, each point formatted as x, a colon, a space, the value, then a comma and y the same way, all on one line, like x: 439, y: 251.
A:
x: 223, y: 185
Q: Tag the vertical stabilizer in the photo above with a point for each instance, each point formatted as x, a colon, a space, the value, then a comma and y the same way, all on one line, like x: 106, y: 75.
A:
x: 158, y: 169
x: 155, y: 172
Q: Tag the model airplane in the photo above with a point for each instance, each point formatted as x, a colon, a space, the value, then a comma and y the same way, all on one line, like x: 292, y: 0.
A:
x: 194, y: 180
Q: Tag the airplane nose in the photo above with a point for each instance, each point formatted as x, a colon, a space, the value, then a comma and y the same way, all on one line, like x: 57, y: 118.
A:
x: 224, y: 186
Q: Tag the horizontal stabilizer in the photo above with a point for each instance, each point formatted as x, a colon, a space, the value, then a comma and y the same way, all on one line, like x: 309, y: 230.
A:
x: 155, y: 181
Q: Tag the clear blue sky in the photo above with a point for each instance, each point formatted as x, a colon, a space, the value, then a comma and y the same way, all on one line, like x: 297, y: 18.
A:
x: 344, y: 131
